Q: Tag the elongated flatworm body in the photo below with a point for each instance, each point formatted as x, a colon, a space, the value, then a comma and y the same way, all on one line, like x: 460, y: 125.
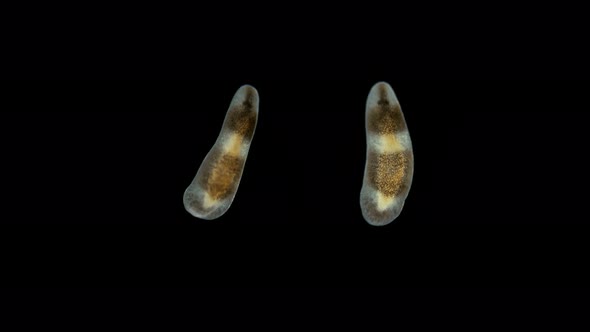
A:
x: 390, y: 160
x: 214, y: 187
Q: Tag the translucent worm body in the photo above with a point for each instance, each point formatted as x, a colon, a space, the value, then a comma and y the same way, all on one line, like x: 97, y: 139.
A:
x: 214, y: 187
x: 390, y: 160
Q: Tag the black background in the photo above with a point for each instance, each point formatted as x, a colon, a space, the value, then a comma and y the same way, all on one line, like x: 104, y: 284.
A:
x: 94, y: 173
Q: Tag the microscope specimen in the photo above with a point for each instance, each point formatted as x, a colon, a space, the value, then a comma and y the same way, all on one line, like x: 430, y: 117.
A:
x: 214, y: 187
x: 390, y: 160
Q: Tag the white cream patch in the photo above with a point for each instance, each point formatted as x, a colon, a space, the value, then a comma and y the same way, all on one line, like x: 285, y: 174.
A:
x: 384, y: 202
x: 233, y: 145
x: 208, y: 201
x: 390, y: 143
